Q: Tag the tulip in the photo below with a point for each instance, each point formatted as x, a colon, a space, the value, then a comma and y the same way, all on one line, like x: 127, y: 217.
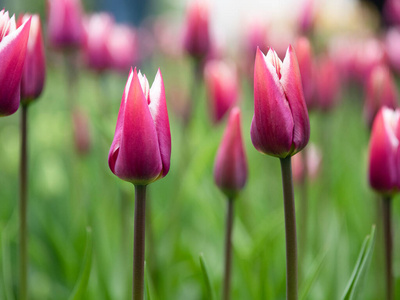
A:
x: 392, y: 44
x: 34, y: 73
x: 230, y: 174
x: 222, y: 86
x: 307, y: 165
x: 391, y: 12
x: 380, y: 90
x: 141, y: 149
x: 81, y: 130
x: 98, y: 28
x: 196, y: 39
x: 280, y: 125
x: 304, y: 57
x: 65, y: 23
x: 13, y: 44
x: 306, y: 18
x: 384, y: 175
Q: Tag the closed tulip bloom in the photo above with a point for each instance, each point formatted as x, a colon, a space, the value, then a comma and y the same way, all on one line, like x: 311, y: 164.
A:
x: 307, y: 163
x: 384, y: 152
x: 13, y: 43
x: 122, y: 46
x: 98, y: 28
x: 81, y: 131
x: 230, y: 167
x: 196, y: 39
x: 222, y: 86
x: 379, y: 91
x: 34, y: 73
x: 307, y: 16
x: 304, y: 57
x: 392, y: 44
x: 65, y: 23
x: 280, y: 125
x: 141, y: 149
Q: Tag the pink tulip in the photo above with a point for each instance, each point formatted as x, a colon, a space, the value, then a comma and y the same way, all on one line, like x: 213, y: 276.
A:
x: 230, y: 167
x: 141, y: 149
x: 122, y: 46
x: 307, y: 163
x: 304, y: 57
x: 391, y: 11
x: 81, y: 132
x: 98, y: 28
x: 380, y: 90
x: 306, y: 18
x: 196, y: 39
x: 222, y: 86
x: 280, y: 125
x: 384, y: 152
x: 13, y: 44
x: 65, y: 23
x: 392, y: 46
x: 34, y: 73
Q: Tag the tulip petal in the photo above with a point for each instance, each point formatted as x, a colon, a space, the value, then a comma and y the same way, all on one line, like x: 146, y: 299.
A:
x: 292, y: 85
x: 272, y: 126
x: 159, y: 113
x: 12, y: 58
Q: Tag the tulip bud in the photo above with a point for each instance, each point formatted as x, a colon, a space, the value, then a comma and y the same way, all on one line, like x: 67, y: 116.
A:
x: 81, y: 132
x: 306, y: 163
x: 196, y: 39
x: 222, y: 86
x: 230, y: 167
x: 384, y: 152
x: 280, y: 125
x: 141, y: 150
x: 65, y: 23
x: 34, y: 73
x: 98, y: 29
x: 392, y: 45
x: 380, y: 90
x: 304, y: 57
x: 306, y: 18
x: 13, y: 44
x: 391, y: 12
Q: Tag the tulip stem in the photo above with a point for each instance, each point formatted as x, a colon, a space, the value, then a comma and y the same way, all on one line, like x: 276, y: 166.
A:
x: 388, y: 236
x: 228, y: 250
x: 303, y: 209
x: 290, y: 229
x: 23, y: 257
x: 139, y: 242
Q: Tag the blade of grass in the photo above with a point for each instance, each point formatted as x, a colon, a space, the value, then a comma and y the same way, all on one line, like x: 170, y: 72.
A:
x: 80, y: 286
x: 364, y: 258
x: 147, y: 295
x: 206, y: 277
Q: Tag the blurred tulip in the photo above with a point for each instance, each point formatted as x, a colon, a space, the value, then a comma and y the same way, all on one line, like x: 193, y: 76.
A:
x: 280, y: 125
x: 65, y: 23
x: 307, y: 163
x: 230, y: 167
x: 122, y: 46
x: 391, y: 12
x: 98, y: 28
x: 304, y: 57
x: 34, y: 73
x: 13, y: 45
x: 81, y: 131
x: 384, y: 152
x: 306, y: 18
x: 141, y: 149
x: 327, y: 83
x: 380, y: 90
x: 392, y: 46
x: 196, y: 39
x: 222, y: 86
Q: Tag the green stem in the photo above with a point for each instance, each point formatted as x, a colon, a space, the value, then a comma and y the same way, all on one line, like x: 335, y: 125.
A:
x: 228, y: 250
x: 303, y: 209
x: 290, y: 229
x: 23, y: 257
x: 139, y: 242
x: 388, y: 236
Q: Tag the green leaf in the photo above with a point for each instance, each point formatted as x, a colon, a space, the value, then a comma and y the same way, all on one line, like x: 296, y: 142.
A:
x: 364, y: 258
x: 146, y: 283
x: 206, y: 277
x: 80, y: 286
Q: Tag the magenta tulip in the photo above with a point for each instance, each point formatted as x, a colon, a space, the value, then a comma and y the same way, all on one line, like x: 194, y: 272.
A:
x: 380, y: 90
x: 391, y: 12
x: 230, y: 167
x: 196, y: 39
x: 141, y: 149
x: 33, y: 76
x: 384, y: 152
x: 122, y: 46
x: 280, y: 125
x: 65, y: 23
x: 13, y: 44
x: 306, y: 18
x: 304, y: 57
x: 81, y: 131
x: 392, y: 44
x: 222, y: 86
x: 307, y: 163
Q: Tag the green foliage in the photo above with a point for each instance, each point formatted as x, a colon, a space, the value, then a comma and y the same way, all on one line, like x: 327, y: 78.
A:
x: 206, y: 277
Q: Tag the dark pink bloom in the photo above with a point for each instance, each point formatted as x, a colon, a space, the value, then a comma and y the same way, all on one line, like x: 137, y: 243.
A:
x: 222, y: 86
x: 391, y: 11
x: 307, y: 163
x: 304, y: 57
x: 196, y: 39
x: 392, y: 46
x: 230, y: 167
x: 98, y: 29
x: 307, y: 16
x: 380, y: 90
x: 384, y: 151
x: 122, y: 46
x: 65, y: 23
x: 34, y: 72
x: 13, y: 44
x: 141, y: 150
x: 280, y: 125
